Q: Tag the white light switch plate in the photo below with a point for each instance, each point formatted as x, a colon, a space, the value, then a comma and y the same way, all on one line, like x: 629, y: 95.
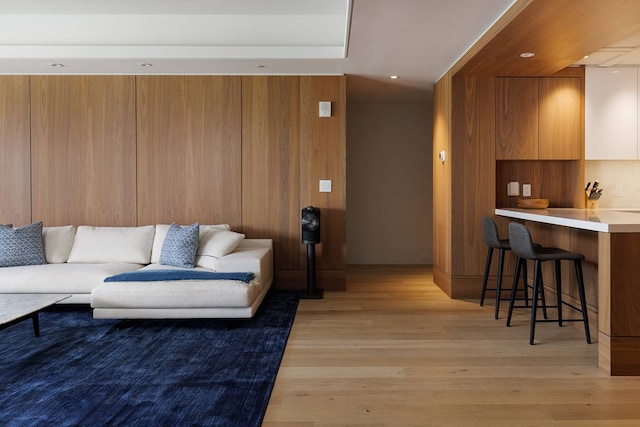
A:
x: 325, y: 186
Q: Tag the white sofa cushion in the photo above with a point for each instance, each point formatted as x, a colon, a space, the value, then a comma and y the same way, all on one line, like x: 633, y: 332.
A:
x: 112, y: 244
x: 57, y: 243
x: 161, y: 233
x: 60, y: 278
x: 214, y: 244
x: 175, y: 293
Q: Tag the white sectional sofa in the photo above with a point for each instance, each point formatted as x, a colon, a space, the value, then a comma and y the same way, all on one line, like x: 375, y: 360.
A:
x: 79, y: 259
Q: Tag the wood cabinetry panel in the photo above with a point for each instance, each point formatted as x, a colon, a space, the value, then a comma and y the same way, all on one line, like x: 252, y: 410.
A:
x: 560, y: 124
x: 442, y: 199
x: 473, y: 136
x: 15, y: 169
x: 323, y: 156
x: 271, y: 165
x: 189, y: 149
x: 516, y: 118
x: 624, y: 292
x: 83, y: 150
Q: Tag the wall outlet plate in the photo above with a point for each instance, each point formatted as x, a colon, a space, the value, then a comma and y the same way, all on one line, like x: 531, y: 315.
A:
x: 526, y: 190
x: 513, y: 189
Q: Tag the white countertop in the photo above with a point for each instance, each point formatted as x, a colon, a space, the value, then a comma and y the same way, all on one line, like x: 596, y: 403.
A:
x: 607, y: 220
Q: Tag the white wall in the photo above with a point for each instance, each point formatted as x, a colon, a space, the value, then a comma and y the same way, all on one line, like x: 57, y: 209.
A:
x: 612, y: 173
x: 389, y: 183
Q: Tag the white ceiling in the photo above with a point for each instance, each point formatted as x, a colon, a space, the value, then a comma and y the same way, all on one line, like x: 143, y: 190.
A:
x: 622, y: 53
x: 415, y: 39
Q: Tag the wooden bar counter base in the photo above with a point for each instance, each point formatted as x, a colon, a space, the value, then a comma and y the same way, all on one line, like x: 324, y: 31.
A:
x: 618, y: 277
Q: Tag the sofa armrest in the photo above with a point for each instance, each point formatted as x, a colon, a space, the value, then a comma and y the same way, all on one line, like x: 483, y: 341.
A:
x: 254, y: 255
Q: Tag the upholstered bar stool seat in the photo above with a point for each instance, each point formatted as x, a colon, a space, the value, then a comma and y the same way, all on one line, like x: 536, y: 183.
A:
x: 522, y: 245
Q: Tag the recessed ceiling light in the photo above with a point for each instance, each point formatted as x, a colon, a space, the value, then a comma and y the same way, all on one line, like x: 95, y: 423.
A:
x: 615, y: 71
x: 585, y: 57
x: 260, y: 66
x: 393, y: 77
x: 527, y: 55
x: 57, y: 65
x: 146, y: 64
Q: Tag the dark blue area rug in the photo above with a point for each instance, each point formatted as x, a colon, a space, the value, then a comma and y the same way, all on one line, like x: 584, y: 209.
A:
x: 88, y: 372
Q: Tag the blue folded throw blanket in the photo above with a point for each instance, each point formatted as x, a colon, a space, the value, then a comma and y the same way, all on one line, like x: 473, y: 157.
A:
x: 163, y: 275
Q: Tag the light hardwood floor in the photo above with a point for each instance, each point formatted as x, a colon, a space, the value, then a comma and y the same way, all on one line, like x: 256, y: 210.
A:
x: 394, y: 350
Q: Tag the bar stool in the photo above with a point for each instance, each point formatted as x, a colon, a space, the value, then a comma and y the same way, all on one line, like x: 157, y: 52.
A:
x: 493, y: 241
x: 522, y: 245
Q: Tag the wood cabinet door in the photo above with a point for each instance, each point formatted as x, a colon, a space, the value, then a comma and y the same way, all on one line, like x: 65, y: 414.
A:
x: 516, y: 118
x: 560, y: 114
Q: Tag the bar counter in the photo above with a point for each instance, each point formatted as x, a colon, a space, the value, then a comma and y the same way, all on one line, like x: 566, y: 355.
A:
x: 616, y: 274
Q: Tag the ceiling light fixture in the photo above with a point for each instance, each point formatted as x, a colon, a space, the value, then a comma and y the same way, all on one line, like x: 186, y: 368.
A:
x: 527, y: 55
x: 260, y: 66
x: 56, y: 65
x: 393, y: 77
x: 585, y: 57
x: 146, y: 64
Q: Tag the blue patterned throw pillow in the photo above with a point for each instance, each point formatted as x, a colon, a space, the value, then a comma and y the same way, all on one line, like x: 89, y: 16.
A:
x: 21, y: 246
x: 180, y: 245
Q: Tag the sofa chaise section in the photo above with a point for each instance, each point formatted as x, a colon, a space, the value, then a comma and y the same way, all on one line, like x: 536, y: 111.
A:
x: 192, y: 298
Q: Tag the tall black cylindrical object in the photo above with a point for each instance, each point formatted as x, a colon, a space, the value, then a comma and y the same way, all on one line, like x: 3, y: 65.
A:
x: 310, y: 219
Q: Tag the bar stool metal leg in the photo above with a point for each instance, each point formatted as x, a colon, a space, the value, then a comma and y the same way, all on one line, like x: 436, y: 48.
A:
x: 521, y: 264
x: 487, y: 266
x: 537, y: 284
x: 501, y: 253
x: 558, y: 269
x: 583, y: 299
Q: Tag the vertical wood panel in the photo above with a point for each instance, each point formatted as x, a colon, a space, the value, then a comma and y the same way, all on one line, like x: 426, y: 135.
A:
x: 83, y: 150
x: 189, y: 149
x: 474, y: 170
x: 271, y: 165
x: 560, y: 118
x: 442, y: 101
x: 15, y: 168
x: 624, y: 292
x: 516, y: 118
x: 323, y: 156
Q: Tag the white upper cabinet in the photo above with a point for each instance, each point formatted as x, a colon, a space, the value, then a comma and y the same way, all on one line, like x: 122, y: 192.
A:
x: 611, y: 114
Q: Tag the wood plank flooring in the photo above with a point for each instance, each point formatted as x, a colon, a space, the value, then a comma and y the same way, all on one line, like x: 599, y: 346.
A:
x: 394, y: 350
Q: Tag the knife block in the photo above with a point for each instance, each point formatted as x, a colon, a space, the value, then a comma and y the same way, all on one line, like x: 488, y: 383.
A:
x: 590, y: 203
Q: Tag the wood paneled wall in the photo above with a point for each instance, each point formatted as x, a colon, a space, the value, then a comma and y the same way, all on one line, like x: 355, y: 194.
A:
x: 323, y: 140
x: 189, y: 150
x: 83, y: 144
x: 125, y: 150
x: 15, y: 168
x: 442, y: 183
x: 271, y: 136
x: 473, y: 145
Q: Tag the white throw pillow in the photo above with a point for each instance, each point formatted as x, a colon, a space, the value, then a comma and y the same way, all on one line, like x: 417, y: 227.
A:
x: 214, y: 244
x: 161, y: 233
x: 57, y: 243
x: 112, y: 244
